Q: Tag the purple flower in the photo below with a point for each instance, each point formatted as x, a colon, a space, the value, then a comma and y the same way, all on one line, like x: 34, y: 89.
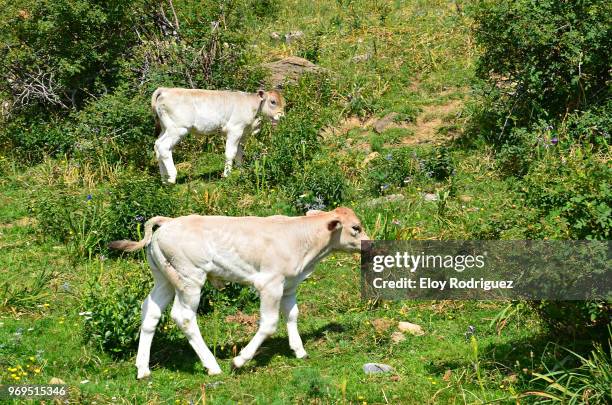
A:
x: 89, y: 197
x: 554, y: 141
x: 389, y: 156
x: 139, y: 218
x: 384, y: 187
x: 396, y: 221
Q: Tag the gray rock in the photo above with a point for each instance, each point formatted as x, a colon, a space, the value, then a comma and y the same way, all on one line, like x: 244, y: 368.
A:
x: 361, y: 58
x: 377, y: 368
x: 385, y: 199
x: 429, y: 197
x: 293, y: 36
x: 384, y: 123
x: 290, y: 69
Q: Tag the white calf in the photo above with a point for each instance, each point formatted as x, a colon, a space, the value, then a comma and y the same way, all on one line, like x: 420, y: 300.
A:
x: 180, y: 111
x: 273, y: 254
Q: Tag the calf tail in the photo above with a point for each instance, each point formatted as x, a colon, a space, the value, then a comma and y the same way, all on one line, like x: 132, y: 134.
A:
x: 154, y: 97
x: 130, y: 246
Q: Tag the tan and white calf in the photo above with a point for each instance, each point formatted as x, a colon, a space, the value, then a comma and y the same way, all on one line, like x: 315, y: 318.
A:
x: 273, y: 254
x: 181, y: 111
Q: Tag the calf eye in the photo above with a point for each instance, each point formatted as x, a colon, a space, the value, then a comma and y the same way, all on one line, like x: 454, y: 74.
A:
x: 357, y: 228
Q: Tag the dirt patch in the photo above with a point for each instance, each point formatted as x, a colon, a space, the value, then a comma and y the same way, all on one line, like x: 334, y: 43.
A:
x: 25, y: 221
x: 250, y: 321
x: 429, y: 122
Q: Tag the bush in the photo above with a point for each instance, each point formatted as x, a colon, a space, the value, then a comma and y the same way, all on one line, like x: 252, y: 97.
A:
x: 397, y: 167
x: 134, y: 199
x: 541, y: 60
x: 117, y: 127
x: 113, y: 313
x: 577, y: 318
x: 70, y: 216
x: 322, y: 186
x: 570, y: 191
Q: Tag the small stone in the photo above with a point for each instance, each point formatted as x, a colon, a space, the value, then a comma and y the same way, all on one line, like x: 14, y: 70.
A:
x: 377, y: 368
x: 411, y: 328
x: 361, y: 58
x: 385, y: 122
x: 429, y: 197
x: 275, y: 36
x: 385, y: 199
x: 397, y: 337
x: 56, y: 380
x: 293, y: 35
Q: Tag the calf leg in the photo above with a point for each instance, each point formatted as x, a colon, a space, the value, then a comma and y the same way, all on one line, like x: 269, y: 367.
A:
x: 184, y: 314
x: 290, y: 311
x: 152, y: 308
x: 163, y: 152
x: 270, y: 296
x: 231, y: 148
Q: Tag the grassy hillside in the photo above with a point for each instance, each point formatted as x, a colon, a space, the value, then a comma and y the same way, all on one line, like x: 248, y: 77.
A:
x: 59, y: 205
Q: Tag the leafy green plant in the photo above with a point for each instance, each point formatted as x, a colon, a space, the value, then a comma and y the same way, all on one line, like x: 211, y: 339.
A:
x: 540, y: 60
x: 589, y: 383
x: 135, y: 198
x: 321, y: 186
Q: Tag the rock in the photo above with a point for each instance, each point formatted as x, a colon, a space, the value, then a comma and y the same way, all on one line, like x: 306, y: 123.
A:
x: 397, y: 337
x: 275, y: 36
x: 361, y: 58
x: 465, y: 198
x: 384, y: 123
x: 411, y: 328
x: 290, y: 69
x: 370, y: 157
x: 429, y: 197
x: 377, y: 368
x: 293, y: 36
x: 386, y: 199
x: 56, y: 380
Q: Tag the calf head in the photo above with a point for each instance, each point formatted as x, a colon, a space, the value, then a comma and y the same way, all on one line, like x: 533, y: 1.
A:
x: 273, y: 105
x: 345, y: 228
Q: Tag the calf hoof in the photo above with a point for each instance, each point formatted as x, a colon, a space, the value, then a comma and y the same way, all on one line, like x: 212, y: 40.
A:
x: 214, y: 371
x: 142, y: 374
x: 238, y: 362
x: 301, y: 354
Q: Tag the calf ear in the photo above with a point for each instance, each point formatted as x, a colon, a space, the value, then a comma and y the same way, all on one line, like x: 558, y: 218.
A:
x: 261, y: 94
x: 334, y: 224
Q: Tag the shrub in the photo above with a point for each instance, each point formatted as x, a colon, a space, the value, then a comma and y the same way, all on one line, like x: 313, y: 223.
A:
x: 70, y: 216
x: 117, y: 127
x: 321, y: 186
x: 112, y: 313
x: 572, y: 191
x: 134, y: 199
x: 396, y: 167
x: 588, y: 383
x: 541, y: 60
x: 45, y: 63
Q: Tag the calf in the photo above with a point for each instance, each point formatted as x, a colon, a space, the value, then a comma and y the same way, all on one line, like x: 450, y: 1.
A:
x: 180, y: 111
x: 272, y: 254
